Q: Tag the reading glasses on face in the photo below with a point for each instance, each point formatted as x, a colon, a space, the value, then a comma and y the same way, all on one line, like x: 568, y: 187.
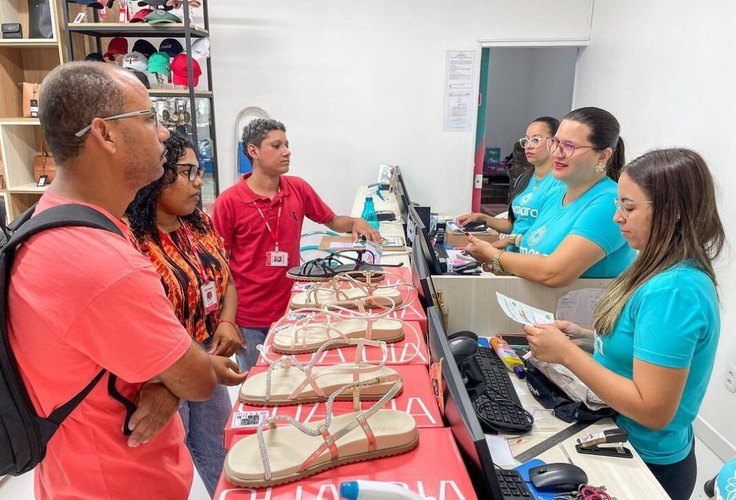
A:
x: 567, y: 149
x: 625, y: 207
x: 193, y: 171
x: 130, y: 114
x: 531, y: 142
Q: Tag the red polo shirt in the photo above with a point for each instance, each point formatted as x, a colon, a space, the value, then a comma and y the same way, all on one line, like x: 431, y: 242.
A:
x: 263, y: 291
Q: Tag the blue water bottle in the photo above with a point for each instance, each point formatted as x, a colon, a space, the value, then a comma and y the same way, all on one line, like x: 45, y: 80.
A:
x: 369, y: 212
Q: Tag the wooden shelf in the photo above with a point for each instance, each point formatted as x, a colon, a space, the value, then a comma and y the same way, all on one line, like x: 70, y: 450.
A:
x: 19, y: 121
x: 28, y: 43
x: 162, y: 30
x: 29, y: 188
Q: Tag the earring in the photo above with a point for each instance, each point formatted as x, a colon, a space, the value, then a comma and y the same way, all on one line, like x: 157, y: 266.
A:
x: 600, y: 168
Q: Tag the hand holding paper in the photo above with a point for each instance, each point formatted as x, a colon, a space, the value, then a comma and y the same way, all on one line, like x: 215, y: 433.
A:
x: 523, y: 313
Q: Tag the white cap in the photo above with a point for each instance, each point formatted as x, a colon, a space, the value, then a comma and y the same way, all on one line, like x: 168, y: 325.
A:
x: 201, y: 48
x: 136, y: 61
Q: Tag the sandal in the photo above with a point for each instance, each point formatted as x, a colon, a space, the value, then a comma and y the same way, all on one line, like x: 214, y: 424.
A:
x: 323, y: 269
x: 288, y: 382
x: 314, y: 327
x: 345, y: 291
x: 289, y: 453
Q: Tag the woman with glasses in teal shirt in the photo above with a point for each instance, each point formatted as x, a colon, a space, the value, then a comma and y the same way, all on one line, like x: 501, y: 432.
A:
x: 532, y: 188
x: 574, y: 235
x: 657, y: 325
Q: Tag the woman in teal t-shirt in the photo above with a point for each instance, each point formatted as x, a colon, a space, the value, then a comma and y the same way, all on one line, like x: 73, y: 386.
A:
x: 657, y: 325
x: 532, y: 188
x: 574, y: 234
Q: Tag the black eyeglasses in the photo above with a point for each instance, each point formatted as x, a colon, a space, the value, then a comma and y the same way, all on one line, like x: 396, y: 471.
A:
x: 193, y: 172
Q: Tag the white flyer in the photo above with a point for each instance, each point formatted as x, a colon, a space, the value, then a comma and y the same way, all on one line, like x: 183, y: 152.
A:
x: 523, y: 313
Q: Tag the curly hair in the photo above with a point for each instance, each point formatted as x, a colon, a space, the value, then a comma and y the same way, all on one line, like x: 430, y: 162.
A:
x: 255, y: 131
x: 141, y: 212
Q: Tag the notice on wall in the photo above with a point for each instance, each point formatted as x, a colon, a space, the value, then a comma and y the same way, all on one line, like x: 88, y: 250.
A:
x: 459, y: 93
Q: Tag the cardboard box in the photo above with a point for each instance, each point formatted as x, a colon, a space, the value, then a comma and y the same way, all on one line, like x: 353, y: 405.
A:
x: 459, y: 240
x: 411, y: 350
x: 433, y: 469
x: 416, y: 398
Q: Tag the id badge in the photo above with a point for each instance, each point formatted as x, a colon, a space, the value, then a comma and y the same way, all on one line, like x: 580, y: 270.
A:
x: 209, y: 296
x: 277, y: 259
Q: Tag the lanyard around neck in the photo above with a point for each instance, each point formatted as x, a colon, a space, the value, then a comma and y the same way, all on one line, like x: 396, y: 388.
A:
x: 273, y: 234
x: 198, y: 266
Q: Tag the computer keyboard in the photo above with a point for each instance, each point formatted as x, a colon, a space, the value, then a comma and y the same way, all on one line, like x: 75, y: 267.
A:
x: 498, y: 408
x: 512, y: 485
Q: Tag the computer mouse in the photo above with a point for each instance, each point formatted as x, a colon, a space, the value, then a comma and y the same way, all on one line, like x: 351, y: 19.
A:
x: 557, y: 477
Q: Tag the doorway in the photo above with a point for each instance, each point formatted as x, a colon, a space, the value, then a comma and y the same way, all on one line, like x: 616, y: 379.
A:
x: 517, y: 85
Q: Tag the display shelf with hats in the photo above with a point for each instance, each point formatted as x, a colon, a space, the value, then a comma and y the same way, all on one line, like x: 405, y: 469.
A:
x: 165, y: 43
x: 30, y: 47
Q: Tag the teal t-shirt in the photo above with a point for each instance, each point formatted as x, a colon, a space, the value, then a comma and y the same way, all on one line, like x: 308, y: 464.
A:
x: 672, y: 320
x: 589, y: 216
x: 526, y: 205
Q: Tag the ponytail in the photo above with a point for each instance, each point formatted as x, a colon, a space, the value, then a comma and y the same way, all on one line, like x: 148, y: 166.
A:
x: 617, y: 160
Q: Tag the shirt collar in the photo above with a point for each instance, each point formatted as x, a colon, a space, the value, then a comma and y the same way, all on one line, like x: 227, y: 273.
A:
x: 250, y: 196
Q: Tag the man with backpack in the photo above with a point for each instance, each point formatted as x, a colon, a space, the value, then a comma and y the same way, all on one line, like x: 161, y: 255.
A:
x: 83, y: 305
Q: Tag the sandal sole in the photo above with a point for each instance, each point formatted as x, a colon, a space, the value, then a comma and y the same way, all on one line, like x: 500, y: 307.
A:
x: 388, y: 452
x: 311, y: 349
x: 317, y: 399
x: 322, y: 279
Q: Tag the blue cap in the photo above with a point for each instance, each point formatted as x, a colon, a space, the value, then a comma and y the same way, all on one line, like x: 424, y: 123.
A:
x: 349, y: 490
x: 519, y: 371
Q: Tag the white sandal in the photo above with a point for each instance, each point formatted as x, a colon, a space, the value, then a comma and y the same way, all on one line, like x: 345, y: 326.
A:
x: 289, y: 382
x: 345, y: 291
x: 289, y: 453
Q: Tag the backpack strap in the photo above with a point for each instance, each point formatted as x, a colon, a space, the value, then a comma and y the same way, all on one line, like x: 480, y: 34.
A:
x: 25, y: 226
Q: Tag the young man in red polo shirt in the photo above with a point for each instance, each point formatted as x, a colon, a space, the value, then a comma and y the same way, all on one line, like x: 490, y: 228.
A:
x: 260, y: 218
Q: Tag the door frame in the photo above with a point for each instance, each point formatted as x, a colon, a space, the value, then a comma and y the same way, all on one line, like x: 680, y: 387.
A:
x: 479, y: 142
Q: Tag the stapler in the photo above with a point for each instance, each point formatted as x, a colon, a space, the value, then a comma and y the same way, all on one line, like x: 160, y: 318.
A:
x: 589, y: 445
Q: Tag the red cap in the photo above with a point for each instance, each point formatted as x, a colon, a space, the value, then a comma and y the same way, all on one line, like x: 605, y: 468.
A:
x: 179, y: 70
x: 117, y: 46
x: 140, y: 16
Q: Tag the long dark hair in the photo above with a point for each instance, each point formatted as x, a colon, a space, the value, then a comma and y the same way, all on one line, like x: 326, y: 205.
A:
x: 604, y: 133
x: 141, y: 212
x: 523, y: 180
x: 685, y: 225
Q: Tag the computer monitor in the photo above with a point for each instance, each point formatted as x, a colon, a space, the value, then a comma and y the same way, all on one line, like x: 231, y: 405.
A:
x: 421, y: 277
x: 402, y: 195
x: 460, y: 414
x: 417, y: 234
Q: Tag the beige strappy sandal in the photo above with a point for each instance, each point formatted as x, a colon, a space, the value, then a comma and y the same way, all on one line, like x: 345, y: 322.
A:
x: 284, y: 454
x: 289, y: 382
x: 314, y: 327
x: 345, y: 291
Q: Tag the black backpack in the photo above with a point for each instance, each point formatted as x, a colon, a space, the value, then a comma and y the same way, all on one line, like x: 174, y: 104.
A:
x: 24, y: 434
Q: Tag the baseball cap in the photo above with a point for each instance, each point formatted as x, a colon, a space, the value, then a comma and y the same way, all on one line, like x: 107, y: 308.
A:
x: 94, y: 56
x: 117, y: 46
x: 160, y: 17
x: 158, y: 4
x: 201, y: 48
x: 179, y: 70
x: 144, y: 47
x: 136, y: 61
x: 95, y: 4
x: 160, y: 62
x: 171, y: 46
x: 140, y: 16
x: 142, y: 77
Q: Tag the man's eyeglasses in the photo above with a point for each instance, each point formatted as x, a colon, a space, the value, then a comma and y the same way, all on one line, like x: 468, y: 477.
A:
x: 625, y: 207
x: 531, y: 142
x: 192, y: 171
x: 567, y: 149
x: 130, y: 114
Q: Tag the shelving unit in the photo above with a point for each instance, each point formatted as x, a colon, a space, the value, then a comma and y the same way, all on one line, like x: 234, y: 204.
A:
x: 85, y: 37
x: 22, y: 60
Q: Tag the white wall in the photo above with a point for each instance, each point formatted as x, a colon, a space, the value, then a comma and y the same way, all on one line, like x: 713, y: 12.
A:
x: 361, y: 83
x: 665, y: 69
x: 517, y: 94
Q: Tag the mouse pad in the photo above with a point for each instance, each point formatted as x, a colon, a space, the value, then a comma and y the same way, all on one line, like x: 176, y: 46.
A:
x: 524, y: 471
